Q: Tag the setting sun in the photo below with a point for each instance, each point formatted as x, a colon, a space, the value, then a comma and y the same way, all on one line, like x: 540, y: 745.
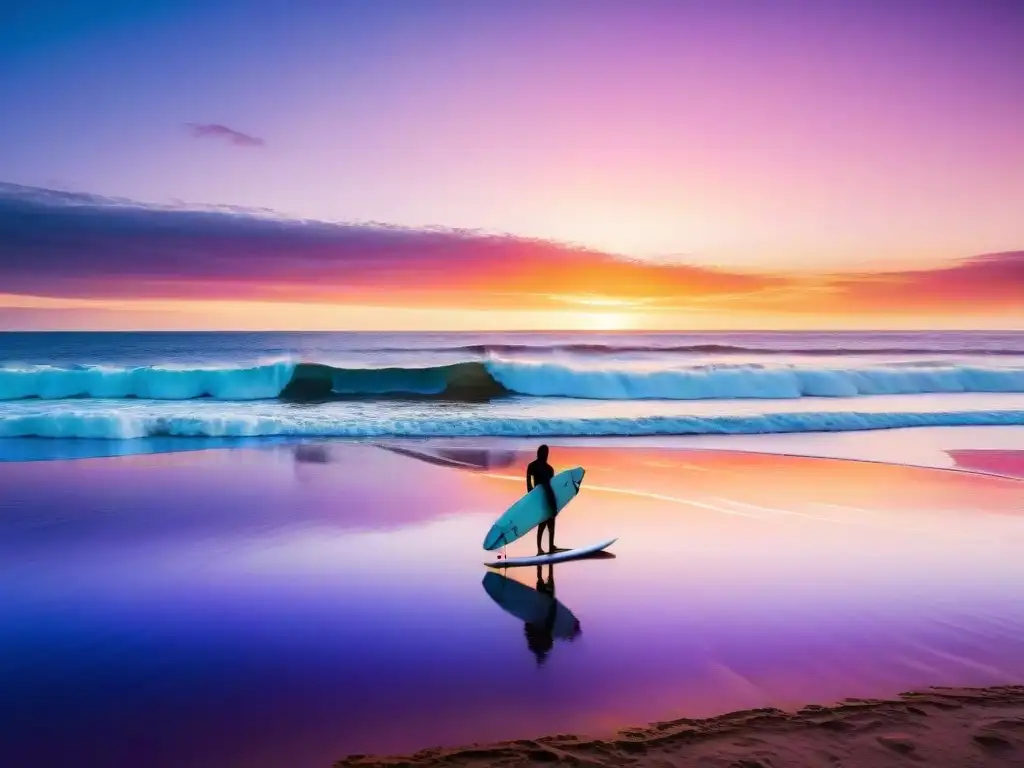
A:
x: 603, y: 321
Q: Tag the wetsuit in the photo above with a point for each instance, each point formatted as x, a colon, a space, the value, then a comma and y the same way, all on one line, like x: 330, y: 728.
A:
x: 541, y: 473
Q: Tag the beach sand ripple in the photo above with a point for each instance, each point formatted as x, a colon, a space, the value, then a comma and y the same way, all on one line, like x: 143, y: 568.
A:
x: 938, y: 727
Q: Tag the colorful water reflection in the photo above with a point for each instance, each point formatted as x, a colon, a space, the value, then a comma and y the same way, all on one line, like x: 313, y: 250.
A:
x: 292, y: 604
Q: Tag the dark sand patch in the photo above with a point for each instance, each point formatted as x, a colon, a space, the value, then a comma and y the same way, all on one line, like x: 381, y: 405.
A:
x: 938, y: 727
x: 995, y: 462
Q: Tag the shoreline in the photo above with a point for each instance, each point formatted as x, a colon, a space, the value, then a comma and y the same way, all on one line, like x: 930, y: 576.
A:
x: 957, y: 451
x: 979, y: 462
x: 936, y: 726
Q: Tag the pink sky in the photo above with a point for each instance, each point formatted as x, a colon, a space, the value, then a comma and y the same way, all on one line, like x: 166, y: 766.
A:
x: 788, y: 140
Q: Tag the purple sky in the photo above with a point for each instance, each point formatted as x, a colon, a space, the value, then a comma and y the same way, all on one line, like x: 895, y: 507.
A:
x: 767, y: 136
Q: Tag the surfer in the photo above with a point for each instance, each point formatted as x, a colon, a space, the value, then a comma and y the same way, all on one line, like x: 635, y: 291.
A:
x: 539, y: 472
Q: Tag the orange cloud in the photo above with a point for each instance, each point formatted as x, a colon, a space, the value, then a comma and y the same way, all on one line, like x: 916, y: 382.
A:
x: 60, y: 245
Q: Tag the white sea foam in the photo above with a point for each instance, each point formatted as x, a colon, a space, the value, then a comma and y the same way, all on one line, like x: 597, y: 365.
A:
x: 122, y: 423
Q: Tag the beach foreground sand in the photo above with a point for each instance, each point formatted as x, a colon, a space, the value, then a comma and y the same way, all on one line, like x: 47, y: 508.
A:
x: 939, y: 727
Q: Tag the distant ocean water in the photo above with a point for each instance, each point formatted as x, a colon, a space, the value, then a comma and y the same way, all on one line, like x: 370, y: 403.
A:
x: 133, y: 385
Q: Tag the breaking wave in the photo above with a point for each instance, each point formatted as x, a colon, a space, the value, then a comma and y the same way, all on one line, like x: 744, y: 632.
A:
x: 287, y: 381
x: 125, y: 424
x: 494, y: 378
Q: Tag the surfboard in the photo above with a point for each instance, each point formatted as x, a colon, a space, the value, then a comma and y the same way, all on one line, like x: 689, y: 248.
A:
x: 557, y: 557
x: 532, y: 509
x: 528, y: 605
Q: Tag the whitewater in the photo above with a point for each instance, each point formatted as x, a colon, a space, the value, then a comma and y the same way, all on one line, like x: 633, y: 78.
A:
x: 135, y: 385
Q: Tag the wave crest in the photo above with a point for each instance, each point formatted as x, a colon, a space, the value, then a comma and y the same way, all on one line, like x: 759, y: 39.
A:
x: 47, y: 382
x: 750, y: 381
x: 484, y: 380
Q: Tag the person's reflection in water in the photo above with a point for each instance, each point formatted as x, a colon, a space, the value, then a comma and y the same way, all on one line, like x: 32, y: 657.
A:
x: 540, y: 634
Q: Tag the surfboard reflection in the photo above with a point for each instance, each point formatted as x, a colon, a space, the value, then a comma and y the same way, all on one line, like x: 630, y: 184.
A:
x: 544, y: 618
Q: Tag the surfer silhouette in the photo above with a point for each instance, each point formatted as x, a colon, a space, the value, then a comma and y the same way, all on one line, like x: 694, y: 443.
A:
x: 539, y: 472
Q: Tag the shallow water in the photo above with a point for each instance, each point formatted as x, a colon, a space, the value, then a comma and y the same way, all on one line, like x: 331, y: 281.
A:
x: 290, y: 604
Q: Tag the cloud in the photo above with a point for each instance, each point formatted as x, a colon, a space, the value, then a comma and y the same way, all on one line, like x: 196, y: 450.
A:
x: 71, y: 245
x: 216, y: 131
x: 988, y: 279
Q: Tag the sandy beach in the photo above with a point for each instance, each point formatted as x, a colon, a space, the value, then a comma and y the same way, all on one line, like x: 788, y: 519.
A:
x: 294, y: 603
x: 941, y: 727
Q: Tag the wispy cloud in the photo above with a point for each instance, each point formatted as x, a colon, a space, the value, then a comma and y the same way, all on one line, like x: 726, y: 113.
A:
x: 216, y: 131
x: 75, y: 245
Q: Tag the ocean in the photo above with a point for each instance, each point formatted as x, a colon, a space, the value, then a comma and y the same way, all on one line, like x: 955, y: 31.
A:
x: 291, y: 598
x: 144, y: 385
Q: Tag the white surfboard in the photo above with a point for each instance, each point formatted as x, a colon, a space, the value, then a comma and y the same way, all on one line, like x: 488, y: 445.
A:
x: 532, y: 509
x: 557, y: 557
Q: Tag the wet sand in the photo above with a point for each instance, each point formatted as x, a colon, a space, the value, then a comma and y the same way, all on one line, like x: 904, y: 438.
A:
x: 943, y: 728
x: 293, y: 604
x: 995, y: 462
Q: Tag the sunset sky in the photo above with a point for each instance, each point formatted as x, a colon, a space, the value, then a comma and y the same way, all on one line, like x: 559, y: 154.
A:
x: 531, y: 164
